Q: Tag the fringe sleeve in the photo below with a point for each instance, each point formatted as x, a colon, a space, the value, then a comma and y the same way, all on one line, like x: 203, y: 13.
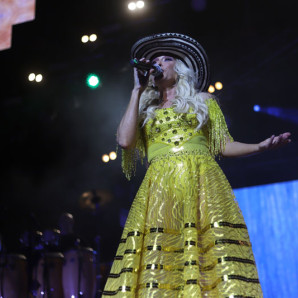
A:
x: 130, y: 156
x: 218, y: 132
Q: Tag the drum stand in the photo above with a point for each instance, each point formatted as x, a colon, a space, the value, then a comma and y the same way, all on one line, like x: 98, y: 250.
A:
x: 98, y: 292
x: 33, y: 257
x: 80, y: 259
x: 45, y: 276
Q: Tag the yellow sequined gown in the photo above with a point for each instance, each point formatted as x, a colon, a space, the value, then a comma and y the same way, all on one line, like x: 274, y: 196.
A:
x: 185, y: 235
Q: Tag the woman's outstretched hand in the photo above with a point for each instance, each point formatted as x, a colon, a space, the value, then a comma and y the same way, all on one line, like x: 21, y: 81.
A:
x: 275, y: 142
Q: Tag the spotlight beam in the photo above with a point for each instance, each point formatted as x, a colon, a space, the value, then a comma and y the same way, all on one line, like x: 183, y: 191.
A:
x: 283, y: 113
x: 287, y: 114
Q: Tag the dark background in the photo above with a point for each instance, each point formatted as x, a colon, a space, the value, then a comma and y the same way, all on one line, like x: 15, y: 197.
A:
x: 54, y: 133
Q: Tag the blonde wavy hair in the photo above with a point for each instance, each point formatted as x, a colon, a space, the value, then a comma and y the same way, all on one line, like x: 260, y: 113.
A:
x: 187, y: 96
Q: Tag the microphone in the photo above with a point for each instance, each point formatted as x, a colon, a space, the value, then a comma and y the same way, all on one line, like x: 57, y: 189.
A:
x: 147, y: 66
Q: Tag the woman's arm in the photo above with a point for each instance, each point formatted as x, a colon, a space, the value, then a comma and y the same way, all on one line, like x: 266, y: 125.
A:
x: 127, y: 129
x: 237, y: 149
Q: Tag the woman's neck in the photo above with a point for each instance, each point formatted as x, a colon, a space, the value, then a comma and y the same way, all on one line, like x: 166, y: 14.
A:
x: 167, y: 96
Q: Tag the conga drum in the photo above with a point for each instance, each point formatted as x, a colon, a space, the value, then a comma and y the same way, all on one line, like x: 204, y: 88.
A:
x: 49, y: 275
x: 13, y: 276
x: 79, y: 275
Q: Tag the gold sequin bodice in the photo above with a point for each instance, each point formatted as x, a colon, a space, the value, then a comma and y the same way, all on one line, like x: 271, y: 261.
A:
x: 171, y: 132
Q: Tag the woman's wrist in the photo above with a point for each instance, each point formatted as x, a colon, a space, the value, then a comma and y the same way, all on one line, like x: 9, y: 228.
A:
x: 261, y: 148
x: 139, y: 87
x: 138, y: 90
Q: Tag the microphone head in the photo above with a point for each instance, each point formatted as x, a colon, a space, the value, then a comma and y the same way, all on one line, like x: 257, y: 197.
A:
x: 157, y: 70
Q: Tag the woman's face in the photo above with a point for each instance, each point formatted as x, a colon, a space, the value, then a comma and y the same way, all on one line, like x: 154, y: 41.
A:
x: 167, y: 64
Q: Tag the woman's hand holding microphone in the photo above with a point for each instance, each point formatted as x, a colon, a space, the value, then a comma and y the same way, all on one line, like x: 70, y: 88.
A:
x: 141, y: 77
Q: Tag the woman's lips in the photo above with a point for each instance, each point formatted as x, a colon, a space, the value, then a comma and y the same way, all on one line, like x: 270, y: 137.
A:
x: 159, y: 76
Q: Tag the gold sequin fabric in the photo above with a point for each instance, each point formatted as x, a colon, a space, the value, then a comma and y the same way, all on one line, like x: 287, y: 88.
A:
x: 185, y: 235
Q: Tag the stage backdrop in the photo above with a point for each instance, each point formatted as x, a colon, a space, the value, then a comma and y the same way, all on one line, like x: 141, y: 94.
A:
x: 271, y: 214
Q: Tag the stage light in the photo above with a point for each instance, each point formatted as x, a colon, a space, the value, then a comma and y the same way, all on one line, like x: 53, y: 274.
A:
x: 93, y: 81
x: 92, y: 37
x: 211, y: 89
x: 140, y: 4
x: 105, y: 158
x: 132, y: 6
x: 31, y: 77
x: 85, y: 38
x: 113, y: 155
x: 257, y: 108
x: 38, y: 78
x: 218, y: 85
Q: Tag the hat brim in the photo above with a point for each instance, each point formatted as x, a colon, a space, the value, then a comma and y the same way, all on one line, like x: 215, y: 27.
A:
x: 179, y: 46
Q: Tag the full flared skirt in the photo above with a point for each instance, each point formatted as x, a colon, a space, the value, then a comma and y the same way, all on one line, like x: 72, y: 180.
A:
x: 185, y: 236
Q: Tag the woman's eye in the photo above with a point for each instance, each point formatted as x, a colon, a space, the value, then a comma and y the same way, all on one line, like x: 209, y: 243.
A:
x: 168, y: 59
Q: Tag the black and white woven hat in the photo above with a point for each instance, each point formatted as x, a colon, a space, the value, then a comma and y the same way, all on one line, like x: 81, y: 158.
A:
x: 179, y: 46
